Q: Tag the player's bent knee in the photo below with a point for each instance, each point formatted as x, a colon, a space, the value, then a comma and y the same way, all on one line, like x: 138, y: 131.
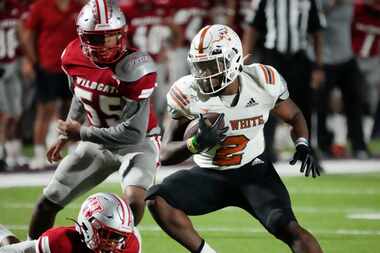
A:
x: 278, y: 221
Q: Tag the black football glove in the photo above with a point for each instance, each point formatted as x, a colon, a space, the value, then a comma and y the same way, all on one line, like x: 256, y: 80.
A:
x: 208, y: 136
x: 303, y: 153
x: 2, y: 71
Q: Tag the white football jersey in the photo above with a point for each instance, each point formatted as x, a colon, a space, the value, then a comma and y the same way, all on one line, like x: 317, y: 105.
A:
x: 260, y: 87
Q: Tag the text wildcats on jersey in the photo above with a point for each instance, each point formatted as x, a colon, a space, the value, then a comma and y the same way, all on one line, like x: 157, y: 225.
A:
x: 109, y: 89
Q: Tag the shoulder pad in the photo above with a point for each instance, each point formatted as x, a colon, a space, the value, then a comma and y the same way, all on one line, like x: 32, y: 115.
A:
x: 179, y: 98
x: 269, y: 79
x: 134, y: 66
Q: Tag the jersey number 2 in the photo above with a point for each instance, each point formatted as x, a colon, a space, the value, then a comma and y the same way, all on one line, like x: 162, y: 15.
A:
x: 226, y: 155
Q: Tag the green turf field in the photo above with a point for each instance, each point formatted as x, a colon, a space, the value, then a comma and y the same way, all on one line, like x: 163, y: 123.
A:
x: 324, y: 206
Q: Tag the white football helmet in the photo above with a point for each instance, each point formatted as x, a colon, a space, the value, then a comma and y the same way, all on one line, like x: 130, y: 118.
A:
x: 102, y: 28
x: 215, y: 58
x: 106, y: 223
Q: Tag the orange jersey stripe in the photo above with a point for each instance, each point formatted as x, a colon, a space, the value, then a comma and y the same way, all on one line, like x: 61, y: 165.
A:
x: 176, y: 100
x: 271, y: 71
x: 179, y: 92
x: 265, y: 73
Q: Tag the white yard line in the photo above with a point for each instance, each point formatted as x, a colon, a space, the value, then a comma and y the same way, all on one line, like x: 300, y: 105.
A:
x: 240, y: 230
x: 364, y: 216
x: 283, y: 168
x: 350, y: 212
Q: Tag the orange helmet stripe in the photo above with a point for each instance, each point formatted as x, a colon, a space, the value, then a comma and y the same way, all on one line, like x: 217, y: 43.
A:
x: 201, y: 40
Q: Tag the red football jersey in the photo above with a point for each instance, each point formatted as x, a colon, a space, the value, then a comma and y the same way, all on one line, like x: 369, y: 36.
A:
x: 366, y: 30
x: 54, y: 28
x: 67, y: 240
x: 100, y: 91
x: 148, y: 29
x: 9, y: 18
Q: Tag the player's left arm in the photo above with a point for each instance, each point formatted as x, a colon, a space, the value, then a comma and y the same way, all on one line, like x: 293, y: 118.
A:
x: 288, y: 111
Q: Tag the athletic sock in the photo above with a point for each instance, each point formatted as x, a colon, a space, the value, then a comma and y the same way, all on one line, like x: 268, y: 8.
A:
x: 13, y: 148
x: 39, y: 151
x: 205, y: 248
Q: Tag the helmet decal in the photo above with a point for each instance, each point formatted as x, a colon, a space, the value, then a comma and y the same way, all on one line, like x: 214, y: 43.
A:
x: 94, y: 207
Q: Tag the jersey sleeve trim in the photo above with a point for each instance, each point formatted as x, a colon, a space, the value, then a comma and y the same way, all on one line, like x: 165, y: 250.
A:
x: 270, y: 77
x: 178, y: 97
x: 145, y: 93
x: 42, y: 245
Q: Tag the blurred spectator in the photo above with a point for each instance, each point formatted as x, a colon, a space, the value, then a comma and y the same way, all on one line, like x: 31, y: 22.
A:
x: 286, y: 26
x: 49, y: 27
x: 190, y: 16
x: 10, y: 84
x: 240, y: 14
x: 366, y: 47
x: 222, y: 11
x: 152, y: 29
x: 341, y: 70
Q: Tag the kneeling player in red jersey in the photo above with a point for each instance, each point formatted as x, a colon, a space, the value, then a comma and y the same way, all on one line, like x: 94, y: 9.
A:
x: 105, y: 224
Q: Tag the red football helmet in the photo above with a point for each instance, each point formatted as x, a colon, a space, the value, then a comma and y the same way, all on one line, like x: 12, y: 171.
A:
x: 102, y: 28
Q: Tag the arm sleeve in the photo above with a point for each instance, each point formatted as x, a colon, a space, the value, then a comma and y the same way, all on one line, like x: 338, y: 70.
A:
x: 131, y: 130
x: 76, y: 111
x: 21, y: 247
x: 259, y: 18
x: 317, y: 19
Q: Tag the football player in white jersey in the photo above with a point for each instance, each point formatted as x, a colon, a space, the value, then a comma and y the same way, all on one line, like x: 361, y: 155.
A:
x: 230, y: 169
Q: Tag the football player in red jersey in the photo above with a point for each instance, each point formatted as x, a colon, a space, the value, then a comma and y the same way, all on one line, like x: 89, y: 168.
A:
x: 366, y: 46
x: 110, y: 115
x: 105, y: 224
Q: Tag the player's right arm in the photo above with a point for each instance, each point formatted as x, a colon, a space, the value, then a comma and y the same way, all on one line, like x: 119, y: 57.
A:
x: 76, y: 113
x: 174, y: 149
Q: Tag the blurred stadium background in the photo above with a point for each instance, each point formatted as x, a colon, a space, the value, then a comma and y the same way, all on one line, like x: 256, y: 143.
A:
x: 342, y: 208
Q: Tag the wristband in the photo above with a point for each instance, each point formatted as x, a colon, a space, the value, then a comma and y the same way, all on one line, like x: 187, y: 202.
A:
x: 302, y: 141
x: 192, y: 145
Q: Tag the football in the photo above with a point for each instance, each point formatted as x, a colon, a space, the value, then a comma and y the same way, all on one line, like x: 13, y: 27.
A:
x: 192, y: 128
